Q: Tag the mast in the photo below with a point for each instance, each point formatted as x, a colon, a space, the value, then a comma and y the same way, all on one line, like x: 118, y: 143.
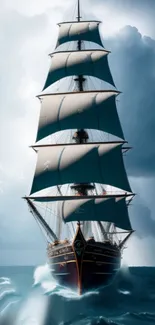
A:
x: 81, y: 136
x: 80, y: 79
x: 79, y: 16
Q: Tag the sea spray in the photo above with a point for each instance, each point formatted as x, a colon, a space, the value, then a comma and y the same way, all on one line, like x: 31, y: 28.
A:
x: 43, y: 278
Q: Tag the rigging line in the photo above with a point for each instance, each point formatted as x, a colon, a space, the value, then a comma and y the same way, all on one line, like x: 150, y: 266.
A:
x: 71, y: 137
x: 71, y: 83
x: 91, y: 134
x: 67, y: 189
x: 61, y: 136
x: 71, y: 12
x: 59, y: 189
x: 48, y: 209
x: 68, y: 227
x: 95, y: 188
x: 74, y: 84
x: 74, y: 11
x: 93, y: 82
x: 58, y: 86
x: 36, y: 214
x: 73, y: 228
x: 41, y: 230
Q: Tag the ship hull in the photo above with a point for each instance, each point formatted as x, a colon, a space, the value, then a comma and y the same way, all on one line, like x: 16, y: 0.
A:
x: 84, y: 266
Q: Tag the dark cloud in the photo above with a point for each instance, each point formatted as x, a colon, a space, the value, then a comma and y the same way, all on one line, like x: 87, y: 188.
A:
x: 138, y: 13
x: 133, y: 66
x: 142, y: 6
x: 141, y: 220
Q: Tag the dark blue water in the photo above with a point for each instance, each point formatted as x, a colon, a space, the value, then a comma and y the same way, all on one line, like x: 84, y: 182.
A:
x: 29, y: 296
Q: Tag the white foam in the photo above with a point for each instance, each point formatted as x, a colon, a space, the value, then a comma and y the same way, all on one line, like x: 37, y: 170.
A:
x: 43, y: 277
x: 124, y: 292
x: 4, y: 281
x: 6, y: 293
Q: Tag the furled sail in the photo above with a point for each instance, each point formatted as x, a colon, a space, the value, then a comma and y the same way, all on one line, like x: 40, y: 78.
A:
x: 86, y: 62
x: 81, y: 110
x: 110, y: 210
x: 84, y: 163
x: 79, y: 31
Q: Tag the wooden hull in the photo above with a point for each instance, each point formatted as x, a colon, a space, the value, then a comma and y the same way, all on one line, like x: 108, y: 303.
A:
x: 84, y: 266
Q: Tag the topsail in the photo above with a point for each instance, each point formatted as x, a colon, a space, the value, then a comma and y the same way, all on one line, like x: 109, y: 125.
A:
x: 85, y: 163
x: 82, y: 110
x: 79, y: 31
x: 84, y: 62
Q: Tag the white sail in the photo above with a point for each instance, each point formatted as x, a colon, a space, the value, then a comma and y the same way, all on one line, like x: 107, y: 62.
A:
x: 110, y: 210
x: 79, y: 31
x: 81, y: 110
x: 86, y: 62
x: 84, y: 163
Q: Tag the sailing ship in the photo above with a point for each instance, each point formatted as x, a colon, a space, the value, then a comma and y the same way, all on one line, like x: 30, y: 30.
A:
x: 80, y: 191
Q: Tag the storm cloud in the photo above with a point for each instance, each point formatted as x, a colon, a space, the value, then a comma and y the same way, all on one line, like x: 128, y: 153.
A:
x: 133, y: 67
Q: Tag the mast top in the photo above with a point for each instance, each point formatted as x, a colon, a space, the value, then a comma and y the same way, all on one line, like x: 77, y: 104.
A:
x: 78, y: 16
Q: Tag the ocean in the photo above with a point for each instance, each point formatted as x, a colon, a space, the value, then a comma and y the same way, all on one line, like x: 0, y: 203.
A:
x: 29, y: 296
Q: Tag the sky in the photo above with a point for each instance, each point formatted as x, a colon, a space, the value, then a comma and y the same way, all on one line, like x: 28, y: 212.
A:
x: 28, y: 33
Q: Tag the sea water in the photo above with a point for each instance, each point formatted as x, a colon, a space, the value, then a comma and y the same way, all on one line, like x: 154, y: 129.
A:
x: 29, y: 296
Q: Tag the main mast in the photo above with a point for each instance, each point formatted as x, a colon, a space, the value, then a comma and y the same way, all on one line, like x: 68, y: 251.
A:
x: 80, y: 78
x: 81, y: 136
x: 79, y: 16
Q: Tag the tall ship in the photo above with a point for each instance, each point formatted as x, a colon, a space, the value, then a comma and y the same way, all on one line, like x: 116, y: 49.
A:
x: 80, y: 192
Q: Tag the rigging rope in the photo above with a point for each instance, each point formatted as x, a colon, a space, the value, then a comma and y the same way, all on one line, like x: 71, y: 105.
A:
x: 41, y: 229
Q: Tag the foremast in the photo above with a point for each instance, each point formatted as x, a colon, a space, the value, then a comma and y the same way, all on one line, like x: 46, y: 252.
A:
x: 108, y: 208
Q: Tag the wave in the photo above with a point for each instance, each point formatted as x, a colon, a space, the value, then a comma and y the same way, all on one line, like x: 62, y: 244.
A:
x: 4, y: 281
x: 48, y: 303
x: 6, y: 293
x: 131, y: 318
x: 43, y: 278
